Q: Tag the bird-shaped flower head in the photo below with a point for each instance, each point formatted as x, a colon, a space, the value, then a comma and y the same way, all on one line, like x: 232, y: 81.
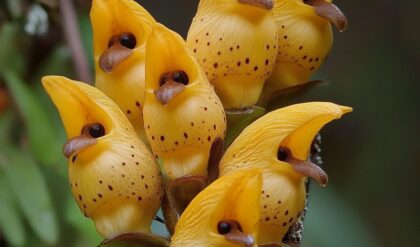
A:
x: 304, y: 41
x: 113, y: 176
x: 183, y: 116
x: 235, y: 41
x: 279, y: 143
x: 120, y: 30
x: 224, y: 214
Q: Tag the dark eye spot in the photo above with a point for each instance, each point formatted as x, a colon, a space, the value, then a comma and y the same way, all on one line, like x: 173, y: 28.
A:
x: 224, y: 227
x: 128, y: 40
x: 283, y: 153
x: 181, y: 77
x: 177, y: 76
x: 95, y: 130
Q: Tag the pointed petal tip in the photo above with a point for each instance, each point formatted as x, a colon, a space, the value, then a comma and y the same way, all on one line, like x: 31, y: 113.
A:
x: 51, y: 81
x: 345, y: 109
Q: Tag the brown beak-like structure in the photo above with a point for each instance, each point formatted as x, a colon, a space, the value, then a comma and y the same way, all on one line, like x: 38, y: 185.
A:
x: 237, y: 236
x: 264, y: 4
x: 75, y: 144
x: 115, y: 55
x: 309, y: 169
x: 330, y: 12
x: 306, y: 168
x: 170, y: 85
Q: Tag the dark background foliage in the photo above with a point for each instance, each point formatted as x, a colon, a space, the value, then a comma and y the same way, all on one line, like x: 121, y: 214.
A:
x: 371, y: 155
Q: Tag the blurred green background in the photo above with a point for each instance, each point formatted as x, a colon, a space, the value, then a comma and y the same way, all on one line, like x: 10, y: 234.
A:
x: 371, y: 155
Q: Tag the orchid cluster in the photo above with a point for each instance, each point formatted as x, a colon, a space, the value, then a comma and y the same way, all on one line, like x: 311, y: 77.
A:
x: 154, y: 131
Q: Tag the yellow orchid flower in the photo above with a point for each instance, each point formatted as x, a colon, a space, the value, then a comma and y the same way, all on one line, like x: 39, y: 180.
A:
x: 113, y: 176
x: 304, y: 41
x: 120, y: 30
x: 183, y: 116
x: 224, y: 214
x: 235, y: 41
x: 279, y: 143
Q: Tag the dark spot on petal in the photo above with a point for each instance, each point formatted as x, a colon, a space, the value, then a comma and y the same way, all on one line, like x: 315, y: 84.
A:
x: 110, y: 187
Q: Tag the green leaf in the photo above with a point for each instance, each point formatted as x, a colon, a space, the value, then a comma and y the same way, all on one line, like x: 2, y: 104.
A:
x: 11, y: 224
x: 6, y: 124
x: 42, y: 139
x: 29, y: 188
x: 86, y: 35
x: 239, y: 120
x: 12, y: 58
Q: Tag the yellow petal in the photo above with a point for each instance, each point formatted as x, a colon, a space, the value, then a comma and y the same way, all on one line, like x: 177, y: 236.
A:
x: 182, y: 131
x: 235, y: 44
x: 125, y: 83
x: 116, y: 181
x: 232, y: 197
x: 294, y: 127
x: 304, y: 41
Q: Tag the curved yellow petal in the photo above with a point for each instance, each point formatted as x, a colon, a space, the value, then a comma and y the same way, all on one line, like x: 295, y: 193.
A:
x: 236, y: 44
x: 232, y: 197
x: 283, y: 194
x: 304, y: 42
x: 115, y: 181
x: 125, y: 82
x: 180, y: 131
